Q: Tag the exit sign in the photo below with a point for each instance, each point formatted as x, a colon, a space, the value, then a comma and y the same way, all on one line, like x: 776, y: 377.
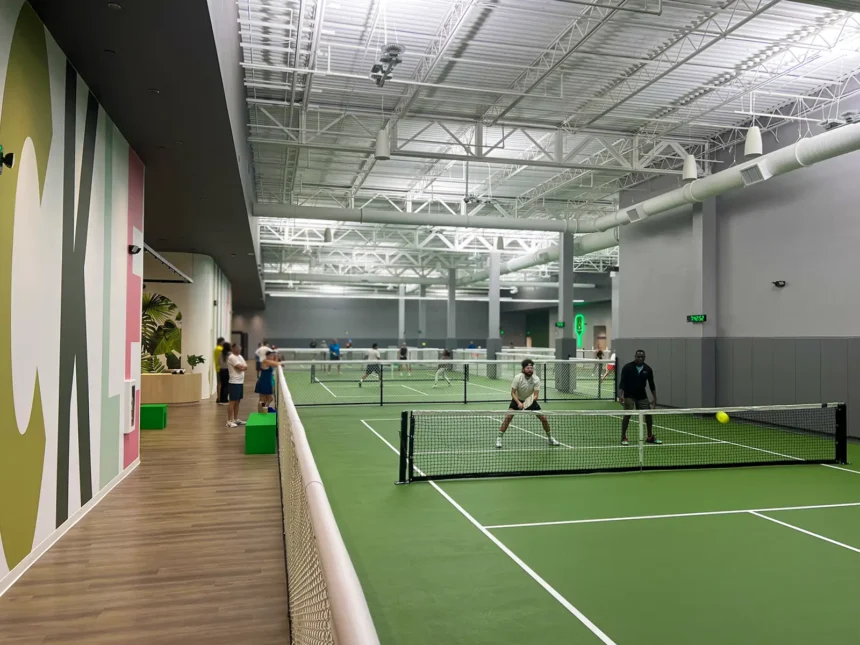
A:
x: 559, y: 324
x: 697, y: 318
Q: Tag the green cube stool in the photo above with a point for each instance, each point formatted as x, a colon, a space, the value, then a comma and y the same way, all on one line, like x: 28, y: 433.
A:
x: 260, y: 434
x: 153, y: 416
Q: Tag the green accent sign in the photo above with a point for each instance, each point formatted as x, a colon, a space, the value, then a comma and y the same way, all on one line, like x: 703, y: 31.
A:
x: 579, y: 327
x: 560, y: 324
x: 697, y: 318
x: 501, y: 332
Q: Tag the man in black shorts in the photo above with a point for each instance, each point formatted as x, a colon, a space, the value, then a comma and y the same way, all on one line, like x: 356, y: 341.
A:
x: 373, y: 367
x: 525, y: 391
x: 632, y: 395
x: 402, y: 355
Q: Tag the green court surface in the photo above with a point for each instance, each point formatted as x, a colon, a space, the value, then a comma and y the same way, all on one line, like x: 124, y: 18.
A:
x: 738, y: 555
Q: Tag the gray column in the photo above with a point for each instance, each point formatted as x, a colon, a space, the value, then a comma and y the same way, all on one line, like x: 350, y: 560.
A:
x: 401, y: 314
x: 422, y: 315
x: 701, y: 346
x: 494, y: 341
x: 451, y: 333
x: 565, y: 339
x: 616, y: 317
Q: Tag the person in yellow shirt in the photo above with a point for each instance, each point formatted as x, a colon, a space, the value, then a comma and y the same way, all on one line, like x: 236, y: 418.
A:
x: 219, y: 364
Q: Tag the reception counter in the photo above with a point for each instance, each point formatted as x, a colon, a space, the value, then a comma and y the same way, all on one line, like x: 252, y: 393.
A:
x: 170, y: 388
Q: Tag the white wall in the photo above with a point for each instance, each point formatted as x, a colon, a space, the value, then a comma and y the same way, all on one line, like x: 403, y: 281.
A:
x: 205, y: 306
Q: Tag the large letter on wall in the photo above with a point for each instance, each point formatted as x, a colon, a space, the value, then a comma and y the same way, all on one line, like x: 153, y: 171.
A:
x: 74, y: 367
x: 25, y: 129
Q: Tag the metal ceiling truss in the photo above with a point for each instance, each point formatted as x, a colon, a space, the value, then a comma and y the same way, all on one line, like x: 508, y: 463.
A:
x: 642, y: 103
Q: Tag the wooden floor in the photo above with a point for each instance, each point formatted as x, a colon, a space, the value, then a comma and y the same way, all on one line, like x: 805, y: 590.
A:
x: 188, y: 549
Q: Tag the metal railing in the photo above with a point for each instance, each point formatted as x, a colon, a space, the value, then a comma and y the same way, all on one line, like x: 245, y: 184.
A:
x: 325, y: 601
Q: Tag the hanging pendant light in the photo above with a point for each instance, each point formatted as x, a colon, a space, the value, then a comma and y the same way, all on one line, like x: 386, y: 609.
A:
x: 753, y: 145
x: 691, y: 173
x: 383, y: 147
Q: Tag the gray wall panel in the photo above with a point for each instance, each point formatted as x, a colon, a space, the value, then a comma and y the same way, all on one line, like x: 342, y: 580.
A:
x: 784, y: 365
x: 693, y: 371
x: 853, y: 388
x: 807, y: 361
x: 762, y: 371
x: 742, y: 380
x: 724, y: 385
x: 834, y: 369
x: 709, y: 372
x: 662, y: 365
x: 679, y: 373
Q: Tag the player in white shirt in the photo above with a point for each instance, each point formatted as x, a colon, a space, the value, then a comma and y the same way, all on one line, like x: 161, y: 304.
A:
x: 236, y: 366
x: 525, y: 391
x: 372, y: 367
x: 610, y: 369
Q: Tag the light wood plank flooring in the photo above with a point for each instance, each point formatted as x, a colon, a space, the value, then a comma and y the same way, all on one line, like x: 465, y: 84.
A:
x: 188, y: 549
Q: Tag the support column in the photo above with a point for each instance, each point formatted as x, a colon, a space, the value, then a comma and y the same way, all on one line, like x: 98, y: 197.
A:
x: 702, y: 345
x: 451, y: 333
x: 401, y: 314
x: 565, y: 337
x: 565, y: 340
x: 422, y: 316
x: 494, y: 341
x: 616, y: 316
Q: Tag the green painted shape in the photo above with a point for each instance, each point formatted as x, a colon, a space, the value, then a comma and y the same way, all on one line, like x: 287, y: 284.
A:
x: 26, y: 114
x: 262, y: 419
x: 260, y: 439
x: 579, y: 327
x: 431, y: 577
x: 153, y: 416
x: 110, y: 419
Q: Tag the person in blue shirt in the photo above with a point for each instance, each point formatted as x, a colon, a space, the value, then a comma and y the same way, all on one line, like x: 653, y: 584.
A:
x: 471, y: 345
x: 334, y: 353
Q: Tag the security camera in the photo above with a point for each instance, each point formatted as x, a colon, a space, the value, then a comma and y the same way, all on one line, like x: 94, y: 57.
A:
x: 779, y: 284
x: 6, y: 160
x: 133, y: 249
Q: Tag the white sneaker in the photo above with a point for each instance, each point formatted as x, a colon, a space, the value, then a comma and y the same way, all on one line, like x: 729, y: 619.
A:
x: 553, y: 441
x: 239, y: 422
x: 231, y: 424
x: 499, y: 442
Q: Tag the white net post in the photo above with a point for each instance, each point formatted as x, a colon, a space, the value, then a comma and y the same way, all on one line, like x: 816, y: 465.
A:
x: 641, y: 418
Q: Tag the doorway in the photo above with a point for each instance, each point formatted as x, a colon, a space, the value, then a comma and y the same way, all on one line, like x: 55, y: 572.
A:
x: 599, y: 338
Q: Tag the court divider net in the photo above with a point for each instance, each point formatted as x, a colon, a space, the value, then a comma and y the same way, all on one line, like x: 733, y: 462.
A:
x: 326, y: 604
x: 443, y: 380
x: 456, y: 444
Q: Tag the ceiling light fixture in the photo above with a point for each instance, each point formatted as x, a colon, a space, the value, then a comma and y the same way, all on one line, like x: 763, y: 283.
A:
x: 114, y: 6
x: 154, y: 90
x: 389, y: 59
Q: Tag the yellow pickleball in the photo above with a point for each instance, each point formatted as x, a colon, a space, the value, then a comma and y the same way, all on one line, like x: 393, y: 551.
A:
x: 722, y: 417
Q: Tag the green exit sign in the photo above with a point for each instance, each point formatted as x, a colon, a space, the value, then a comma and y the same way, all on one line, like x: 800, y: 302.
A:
x: 697, y: 318
x: 559, y: 324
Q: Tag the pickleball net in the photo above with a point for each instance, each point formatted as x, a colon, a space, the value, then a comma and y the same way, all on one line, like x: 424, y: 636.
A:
x: 454, y: 444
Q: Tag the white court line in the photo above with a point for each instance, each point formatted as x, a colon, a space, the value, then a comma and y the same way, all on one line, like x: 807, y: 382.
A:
x: 673, y: 515
x: 797, y: 528
x: 494, y: 389
x: 414, y: 390
x: 326, y: 389
x: 513, y: 556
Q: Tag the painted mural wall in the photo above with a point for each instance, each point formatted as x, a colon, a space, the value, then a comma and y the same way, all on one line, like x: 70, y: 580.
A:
x: 204, y: 309
x: 70, y: 292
